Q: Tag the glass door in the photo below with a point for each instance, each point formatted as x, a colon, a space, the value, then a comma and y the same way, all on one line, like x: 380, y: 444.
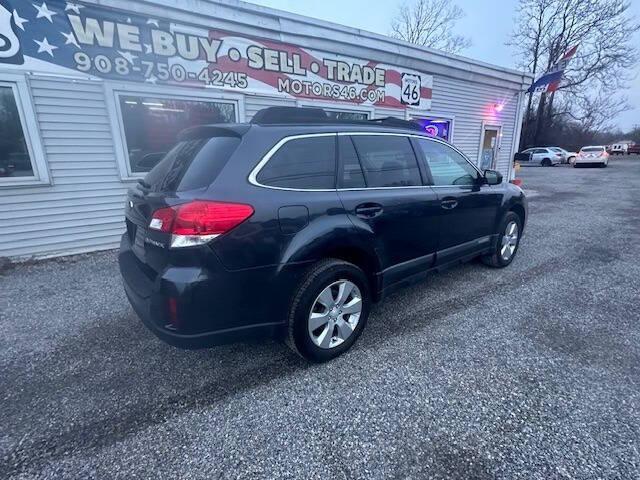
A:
x: 489, y: 147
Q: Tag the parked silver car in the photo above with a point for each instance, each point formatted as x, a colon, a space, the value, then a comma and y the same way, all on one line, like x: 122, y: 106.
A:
x: 544, y: 156
x: 567, y: 157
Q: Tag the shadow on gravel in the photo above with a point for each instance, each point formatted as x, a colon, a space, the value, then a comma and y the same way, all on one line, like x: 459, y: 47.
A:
x: 89, y: 436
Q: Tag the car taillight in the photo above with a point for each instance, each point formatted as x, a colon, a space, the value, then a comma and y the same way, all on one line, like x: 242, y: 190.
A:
x: 558, y: 154
x: 198, y: 222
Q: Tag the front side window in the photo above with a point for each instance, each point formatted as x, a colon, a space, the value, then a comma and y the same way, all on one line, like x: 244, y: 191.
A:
x: 15, y: 160
x: 302, y: 163
x: 152, y: 124
x: 447, y: 166
x: 387, y: 160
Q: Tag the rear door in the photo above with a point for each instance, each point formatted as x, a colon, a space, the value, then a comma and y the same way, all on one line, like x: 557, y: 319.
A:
x: 381, y: 187
x: 468, y: 208
x: 540, y: 154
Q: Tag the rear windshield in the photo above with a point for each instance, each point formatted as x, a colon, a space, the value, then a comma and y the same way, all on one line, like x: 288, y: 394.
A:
x: 191, y: 164
x: 592, y: 149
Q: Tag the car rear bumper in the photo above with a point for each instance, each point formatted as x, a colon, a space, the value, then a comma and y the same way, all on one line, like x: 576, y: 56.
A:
x: 589, y: 161
x: 212, y: 306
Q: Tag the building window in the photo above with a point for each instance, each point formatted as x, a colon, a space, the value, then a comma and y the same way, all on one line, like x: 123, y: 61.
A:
x: 347, y: 114
x: 152, y: 123
x: 15, y: 159
x: 436, y: 126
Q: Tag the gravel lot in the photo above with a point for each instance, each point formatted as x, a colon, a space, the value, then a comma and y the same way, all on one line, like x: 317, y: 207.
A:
x: 529, y: 372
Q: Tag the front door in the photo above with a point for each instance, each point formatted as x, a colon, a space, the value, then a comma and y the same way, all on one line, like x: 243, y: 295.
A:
x: 468, y: 208
x: 489, y: 147
x: 381, y: 187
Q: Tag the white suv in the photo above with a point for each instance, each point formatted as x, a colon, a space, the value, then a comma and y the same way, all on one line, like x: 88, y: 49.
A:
x: 542, y: 156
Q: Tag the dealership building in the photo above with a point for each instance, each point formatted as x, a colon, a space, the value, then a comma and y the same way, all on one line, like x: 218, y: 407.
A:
x: 93, y: 93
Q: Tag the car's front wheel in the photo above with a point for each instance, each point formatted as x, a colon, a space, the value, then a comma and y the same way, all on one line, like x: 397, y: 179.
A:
x: 329, y: 310
x: 508, y: 242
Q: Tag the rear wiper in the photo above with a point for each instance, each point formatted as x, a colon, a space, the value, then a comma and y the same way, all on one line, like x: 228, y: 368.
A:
x: 144, y: 184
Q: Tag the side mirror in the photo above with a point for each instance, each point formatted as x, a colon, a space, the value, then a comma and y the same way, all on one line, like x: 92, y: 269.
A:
x: 492, y: 177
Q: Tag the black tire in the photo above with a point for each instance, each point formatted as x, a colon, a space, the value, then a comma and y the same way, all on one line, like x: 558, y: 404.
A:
x: 494, y: 259
x: 546, y: 162
x: 320, y: 276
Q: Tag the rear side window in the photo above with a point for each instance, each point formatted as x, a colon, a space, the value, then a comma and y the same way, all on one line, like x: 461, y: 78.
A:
x: 302, y: 163
x: 387, y: 160
x: 191, y: 164
x: 351, y: 173
x: 447, y: 166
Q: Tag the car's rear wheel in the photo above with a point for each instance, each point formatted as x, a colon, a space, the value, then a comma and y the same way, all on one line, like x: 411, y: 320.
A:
x: 546, y: 162
x: 329, y: 310
x: 508, y: 242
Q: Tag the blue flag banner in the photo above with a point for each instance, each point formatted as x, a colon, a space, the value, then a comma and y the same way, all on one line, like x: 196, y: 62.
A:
x: 550, y: 81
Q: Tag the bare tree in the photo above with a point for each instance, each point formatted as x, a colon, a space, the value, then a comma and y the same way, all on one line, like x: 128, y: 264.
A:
x: 603, y: 30
x: 534, y: 21
x: 430, y: 23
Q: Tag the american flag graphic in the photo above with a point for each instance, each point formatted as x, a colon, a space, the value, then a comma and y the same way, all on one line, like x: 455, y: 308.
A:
x: 74, y: 37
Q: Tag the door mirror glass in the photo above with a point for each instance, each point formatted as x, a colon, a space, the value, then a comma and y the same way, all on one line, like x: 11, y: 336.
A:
x: 493, y: 177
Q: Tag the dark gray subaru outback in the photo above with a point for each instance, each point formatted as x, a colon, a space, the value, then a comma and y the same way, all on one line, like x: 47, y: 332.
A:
x: 293, y: 225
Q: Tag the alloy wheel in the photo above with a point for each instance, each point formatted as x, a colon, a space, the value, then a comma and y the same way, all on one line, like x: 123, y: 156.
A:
x: 509, y: 241
x: 335, y: 314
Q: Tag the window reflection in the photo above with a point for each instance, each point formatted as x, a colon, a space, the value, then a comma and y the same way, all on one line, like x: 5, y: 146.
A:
x: 347, y: 115
x: 14, y: 154
x: 151, y: 125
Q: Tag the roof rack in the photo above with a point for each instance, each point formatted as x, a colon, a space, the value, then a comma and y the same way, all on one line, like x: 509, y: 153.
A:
x: 301, y: 115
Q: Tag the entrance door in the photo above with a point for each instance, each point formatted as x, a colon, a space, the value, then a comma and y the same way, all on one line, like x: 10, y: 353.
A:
x: 489, y: 147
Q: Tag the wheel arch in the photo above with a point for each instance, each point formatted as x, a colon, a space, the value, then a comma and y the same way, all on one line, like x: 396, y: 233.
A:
x: 365, y: 260
x: 520, y: 211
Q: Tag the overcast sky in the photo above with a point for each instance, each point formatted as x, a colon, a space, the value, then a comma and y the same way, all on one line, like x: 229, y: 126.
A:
x: 487, y: 26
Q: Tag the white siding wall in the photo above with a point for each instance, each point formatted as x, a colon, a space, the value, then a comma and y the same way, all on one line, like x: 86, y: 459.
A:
x: 83, y: 208
x: 471, y: 104
x: 255, y: 103
x: 389, y: 112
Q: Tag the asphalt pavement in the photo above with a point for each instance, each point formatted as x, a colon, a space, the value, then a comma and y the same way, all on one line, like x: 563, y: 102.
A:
x: 531, y: 372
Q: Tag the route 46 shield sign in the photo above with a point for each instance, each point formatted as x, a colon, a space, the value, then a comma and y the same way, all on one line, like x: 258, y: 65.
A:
x: 410, y: 89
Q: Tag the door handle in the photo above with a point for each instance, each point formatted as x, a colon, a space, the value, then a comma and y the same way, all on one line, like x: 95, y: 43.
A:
x: 449, y: 203
x: 368, y: 210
